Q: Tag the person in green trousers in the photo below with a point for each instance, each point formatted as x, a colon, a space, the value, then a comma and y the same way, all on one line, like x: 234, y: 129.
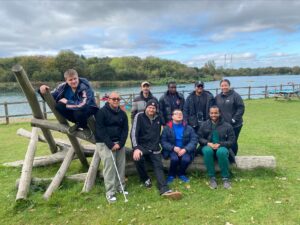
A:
x: 216, y: 137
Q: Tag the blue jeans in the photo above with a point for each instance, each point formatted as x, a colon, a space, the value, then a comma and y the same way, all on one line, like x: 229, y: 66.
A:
x: 182, y: 162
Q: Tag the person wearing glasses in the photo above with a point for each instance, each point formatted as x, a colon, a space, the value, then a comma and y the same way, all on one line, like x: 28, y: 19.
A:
x: 111, y: 135
x: 140, y: 101
x: 179, y: 142
x: 232, y: 109
x: 145, y: 139
x: 74, y: 100
x: 196, y: 106
x: 170, y: 101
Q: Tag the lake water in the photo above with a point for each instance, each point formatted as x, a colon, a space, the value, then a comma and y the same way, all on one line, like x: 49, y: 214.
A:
x: 243, y: 81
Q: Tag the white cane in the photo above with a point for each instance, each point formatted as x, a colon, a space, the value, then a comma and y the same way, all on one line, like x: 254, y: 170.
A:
x: 113, y: 158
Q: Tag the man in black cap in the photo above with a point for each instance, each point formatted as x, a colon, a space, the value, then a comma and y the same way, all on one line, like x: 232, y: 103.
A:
x: 145, y: 138
x: 140, y: 101
x: 170, y: 101
x: 196, y: 107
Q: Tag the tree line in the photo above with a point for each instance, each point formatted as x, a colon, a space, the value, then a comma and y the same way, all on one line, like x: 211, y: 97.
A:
x: 51, y: 68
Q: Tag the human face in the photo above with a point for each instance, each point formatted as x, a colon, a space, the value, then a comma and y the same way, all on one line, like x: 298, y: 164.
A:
x: 172, y: 88
x: 225, y: 87
x: 145, y: 89
x: 214, y: 114
x: 72, y: 81
x: 114, y: 100
x: 199, y: 89
x: 177, y: 116
x: 150, y: 111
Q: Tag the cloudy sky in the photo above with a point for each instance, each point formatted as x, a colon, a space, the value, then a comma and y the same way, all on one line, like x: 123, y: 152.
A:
x: 245, y: 33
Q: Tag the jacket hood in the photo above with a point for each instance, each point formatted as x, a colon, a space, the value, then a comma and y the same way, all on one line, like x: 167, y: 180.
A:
x: 149, y: 97
x: 220, y: 122
x: 230, y: 92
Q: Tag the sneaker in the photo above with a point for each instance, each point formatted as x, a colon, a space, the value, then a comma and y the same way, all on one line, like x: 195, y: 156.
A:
x: 148, y: 183
x: 87, y: 133
x: 170, y: 179
x: 226, y: 183
x: 184, y: 178
x: 111, y: 198
x: 213, y: 183
x: 121, y: 192
x: 176, y: 195
x: 73, y: 128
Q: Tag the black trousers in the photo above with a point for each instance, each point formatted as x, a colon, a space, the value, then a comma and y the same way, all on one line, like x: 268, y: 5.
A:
x: 156, y: 162
x: 76, y: 116
x: 235, y: 146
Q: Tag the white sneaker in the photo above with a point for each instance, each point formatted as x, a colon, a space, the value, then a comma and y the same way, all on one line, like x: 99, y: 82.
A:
x: 121, y: 192
x: 111, y: 198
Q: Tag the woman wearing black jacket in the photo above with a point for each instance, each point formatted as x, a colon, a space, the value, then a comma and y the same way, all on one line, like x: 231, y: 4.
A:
x: 232, y: 109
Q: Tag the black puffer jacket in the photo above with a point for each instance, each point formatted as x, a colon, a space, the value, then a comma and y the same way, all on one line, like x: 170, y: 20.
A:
x: 232, y: 107
x: 190, y: 110
x: 224, y: 129
x: 165, y: 106
x: 139, y: 104
x: 111, y: 126
x: 145, y: 133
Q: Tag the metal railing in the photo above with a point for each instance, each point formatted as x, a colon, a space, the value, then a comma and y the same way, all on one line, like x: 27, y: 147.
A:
x: 248, y: 92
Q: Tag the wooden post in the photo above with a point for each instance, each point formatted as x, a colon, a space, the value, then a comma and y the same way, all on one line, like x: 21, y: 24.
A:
x: 92, y: 173
x: 217, y: 91
x: 60, y: 174
x: 280, y: 87
x: 266, y: 91
x: 249, y: 92
x: 29, y: 92
x: 44, y: 109
x: 25, y: 179
x: 6, y: 112
x: 98, y: 99
x: 74, y: 142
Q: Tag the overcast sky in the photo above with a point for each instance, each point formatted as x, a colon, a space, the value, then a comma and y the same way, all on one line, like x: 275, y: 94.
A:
x: 246, y: 33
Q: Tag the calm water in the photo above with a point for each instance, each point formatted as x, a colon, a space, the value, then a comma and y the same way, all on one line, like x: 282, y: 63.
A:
x: 235, y: 82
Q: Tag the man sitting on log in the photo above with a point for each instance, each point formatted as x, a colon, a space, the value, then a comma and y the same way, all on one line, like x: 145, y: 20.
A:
x: 145, y: 138
x: 75, y: 100
x: 111, y: 135
x: 216, y: 138
x: 179, y: 142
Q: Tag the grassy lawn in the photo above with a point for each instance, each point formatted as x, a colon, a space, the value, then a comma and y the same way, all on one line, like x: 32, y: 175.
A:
x: 258, y: 197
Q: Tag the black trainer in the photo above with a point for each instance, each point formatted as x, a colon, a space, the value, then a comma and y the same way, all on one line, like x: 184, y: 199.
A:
x: 73, y: 128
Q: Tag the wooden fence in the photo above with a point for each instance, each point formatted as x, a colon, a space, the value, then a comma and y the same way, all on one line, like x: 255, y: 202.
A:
x: 246, y: 93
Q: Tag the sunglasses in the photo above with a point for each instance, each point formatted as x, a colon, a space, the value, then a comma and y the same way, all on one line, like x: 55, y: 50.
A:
x: 200, y: 86
x: 115, y: 99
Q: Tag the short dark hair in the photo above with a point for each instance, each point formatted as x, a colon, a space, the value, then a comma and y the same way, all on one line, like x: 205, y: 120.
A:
x: 214, y: 107
x: 171, y: 82
x: 225, y: 80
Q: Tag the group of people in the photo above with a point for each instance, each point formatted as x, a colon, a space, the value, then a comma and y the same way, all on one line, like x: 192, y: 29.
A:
x: 172, y: 123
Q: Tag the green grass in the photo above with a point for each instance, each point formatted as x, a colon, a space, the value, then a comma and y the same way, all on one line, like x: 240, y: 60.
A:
x: 261, y: 196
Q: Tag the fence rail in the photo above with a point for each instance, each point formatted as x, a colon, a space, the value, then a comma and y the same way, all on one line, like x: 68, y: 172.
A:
x: 246, y: 92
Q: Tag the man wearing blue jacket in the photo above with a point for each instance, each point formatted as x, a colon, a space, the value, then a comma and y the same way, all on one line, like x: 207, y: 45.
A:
x: 179, y: 142
x: 74, y: 99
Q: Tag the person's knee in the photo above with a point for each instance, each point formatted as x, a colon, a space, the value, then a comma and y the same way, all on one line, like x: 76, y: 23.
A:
x: 222, y: 152
x: 60, y: 107
x: 186, y: 158
x: 174, y: 157
x: 207, y: 151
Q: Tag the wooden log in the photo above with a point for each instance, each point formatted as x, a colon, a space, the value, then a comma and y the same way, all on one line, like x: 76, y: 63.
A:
x: 60, y: 128
x: 253, y: 162
x: 73, y: 140
x: 80, y: 177
x: 27, y: 166
x: 29, y: 92
x: 92, y: 173
x: 60, y: 174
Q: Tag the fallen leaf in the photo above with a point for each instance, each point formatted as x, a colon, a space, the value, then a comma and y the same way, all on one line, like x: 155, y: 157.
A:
x: 278, y: 202
x: 232, y: 210
x: 134, y: 219
x: 227, y: 223
x: 119, y: 220
x: 188, y: 186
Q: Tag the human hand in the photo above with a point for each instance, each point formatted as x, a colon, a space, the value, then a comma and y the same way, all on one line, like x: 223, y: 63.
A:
x: 63, y: 100
x: 137, y: 155
x: 44, y: 88
x: 177, y: 149
x: 181, y: 152
x: 115, y: 147
x: 216, y: 146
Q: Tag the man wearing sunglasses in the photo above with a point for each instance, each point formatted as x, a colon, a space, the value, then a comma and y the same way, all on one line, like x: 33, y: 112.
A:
x: 170, y: 101
x: 196, y: 107
x: 111, y: 135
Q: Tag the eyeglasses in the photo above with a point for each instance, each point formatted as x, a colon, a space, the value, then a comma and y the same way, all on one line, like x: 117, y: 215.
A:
x: 115, y: 99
